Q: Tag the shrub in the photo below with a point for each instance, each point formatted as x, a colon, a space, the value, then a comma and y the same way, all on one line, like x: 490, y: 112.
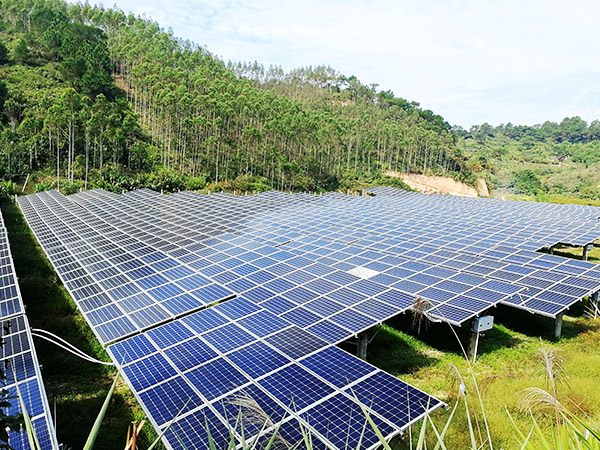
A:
x: 393, y: 182
x: 7, y: 188
x: 43, y: 186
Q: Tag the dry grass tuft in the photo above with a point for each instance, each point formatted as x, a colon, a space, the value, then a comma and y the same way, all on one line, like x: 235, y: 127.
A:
x: 420, y: 308
x: 250, y: 412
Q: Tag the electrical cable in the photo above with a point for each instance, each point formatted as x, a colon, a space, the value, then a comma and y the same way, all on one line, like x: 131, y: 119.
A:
x: 60, y: 342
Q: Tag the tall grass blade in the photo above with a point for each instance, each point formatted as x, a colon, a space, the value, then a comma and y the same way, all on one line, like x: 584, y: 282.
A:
x: 470, y: 423
x: 543, y: 442
x: 440, y: 439
x: 96, y: 428
x: 31, y: 436
x: 380, y: 436
x: 461, y: 392
x: 588, y: 429
x: 157, y: 440
x: 211, y: 442
x: 522, y: 437
x: 421, y: 443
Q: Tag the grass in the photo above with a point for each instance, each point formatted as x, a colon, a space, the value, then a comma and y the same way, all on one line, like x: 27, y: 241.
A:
x: 77, y: 386
x: 571, y: 252
x: 507, y: 364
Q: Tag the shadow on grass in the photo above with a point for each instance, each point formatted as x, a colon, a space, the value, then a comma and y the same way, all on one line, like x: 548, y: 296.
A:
x: 78, y: 386
x: 397, y: 353
x: 535, y: 325
x: 393, y: 351
x: 441, y: 337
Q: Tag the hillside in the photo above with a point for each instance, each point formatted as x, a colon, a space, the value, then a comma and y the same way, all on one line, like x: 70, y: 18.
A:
x: 93, y: 97
x: 549, y: 161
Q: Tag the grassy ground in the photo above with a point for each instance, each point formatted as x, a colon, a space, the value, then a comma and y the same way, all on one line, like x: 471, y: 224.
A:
x: 77, y: 386
x: 593, y: 256
x: 507, y: 362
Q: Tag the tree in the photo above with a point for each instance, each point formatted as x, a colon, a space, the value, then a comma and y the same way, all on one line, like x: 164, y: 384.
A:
x: 22, y: 54
x: 3, y: 53
x: 3, y: 95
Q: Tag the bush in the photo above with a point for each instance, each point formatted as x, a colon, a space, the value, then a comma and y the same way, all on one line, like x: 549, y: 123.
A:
x: 68, y: 187
x: 526, y: 182
x: 43, y: 186
x: 393, y: 182
x: 7, y: 188
x: 195, y: 183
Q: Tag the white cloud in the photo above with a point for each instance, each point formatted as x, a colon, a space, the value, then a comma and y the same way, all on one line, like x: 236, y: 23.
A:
x: 469, y: 60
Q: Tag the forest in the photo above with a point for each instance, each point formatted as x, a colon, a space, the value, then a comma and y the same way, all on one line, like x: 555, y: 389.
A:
x: 92, y: 97
x: 548, y: 161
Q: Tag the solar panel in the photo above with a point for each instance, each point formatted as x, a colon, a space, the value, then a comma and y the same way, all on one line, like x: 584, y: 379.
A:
x: 287, y: 373
x: 19, y: 359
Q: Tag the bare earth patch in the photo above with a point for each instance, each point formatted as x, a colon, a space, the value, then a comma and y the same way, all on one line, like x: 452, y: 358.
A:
x: 440, y: 185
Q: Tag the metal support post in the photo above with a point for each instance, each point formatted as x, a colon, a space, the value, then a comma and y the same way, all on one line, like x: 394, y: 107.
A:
x: 473, y: 343
x: 586, y: 250
x: 558, y: 326
x: 480, y: 324
x: 594, y: 303
x: 363, y: 342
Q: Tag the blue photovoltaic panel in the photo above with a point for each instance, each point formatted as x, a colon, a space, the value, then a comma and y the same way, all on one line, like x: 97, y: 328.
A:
x: 337, y: 366
x: 191, y: 431
x: 149, y: 371
x: 295, y: 342
x: 243, y: 404
x: 216, y: 378
x: 379, y: 393
x: 342, y: 422
x: 289, y: 257
x: 228, y: 337
x: 295, y: 387
x: 257, y: 359
x: 283, y: 385
x: 19, y: 360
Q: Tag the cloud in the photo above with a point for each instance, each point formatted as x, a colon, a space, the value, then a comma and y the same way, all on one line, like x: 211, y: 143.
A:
x: 469, y: 60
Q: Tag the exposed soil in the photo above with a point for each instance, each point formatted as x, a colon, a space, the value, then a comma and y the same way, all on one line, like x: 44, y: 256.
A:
x: 441, y: 185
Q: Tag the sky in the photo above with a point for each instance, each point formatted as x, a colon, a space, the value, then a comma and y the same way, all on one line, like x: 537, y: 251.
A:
x: 472, y: 61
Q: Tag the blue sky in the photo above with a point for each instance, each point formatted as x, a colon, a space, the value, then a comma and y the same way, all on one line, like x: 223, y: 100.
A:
x: 472, y: 61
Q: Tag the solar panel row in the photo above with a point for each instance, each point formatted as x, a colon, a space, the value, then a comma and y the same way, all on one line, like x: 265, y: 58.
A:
x: 121, y: 285
x: 222, y: 367
x: 19, y: 361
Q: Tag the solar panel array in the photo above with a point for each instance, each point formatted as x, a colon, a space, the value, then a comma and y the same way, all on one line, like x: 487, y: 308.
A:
x: 407, y: 236
x: 304, y: 257
x: 292, y: 275
x: 19, y: 361
x: 262, y: 344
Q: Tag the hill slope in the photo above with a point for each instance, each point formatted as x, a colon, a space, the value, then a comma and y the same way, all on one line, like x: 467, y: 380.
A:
x: 180, y: 109
x: 548, y: 161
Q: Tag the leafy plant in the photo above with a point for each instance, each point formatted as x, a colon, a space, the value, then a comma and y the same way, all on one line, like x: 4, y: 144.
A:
x: 7, y: 188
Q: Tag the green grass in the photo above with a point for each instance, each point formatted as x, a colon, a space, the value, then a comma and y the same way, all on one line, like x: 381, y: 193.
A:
x: 571, y: 252
x: 506, y: 365
x: 77, y: 386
